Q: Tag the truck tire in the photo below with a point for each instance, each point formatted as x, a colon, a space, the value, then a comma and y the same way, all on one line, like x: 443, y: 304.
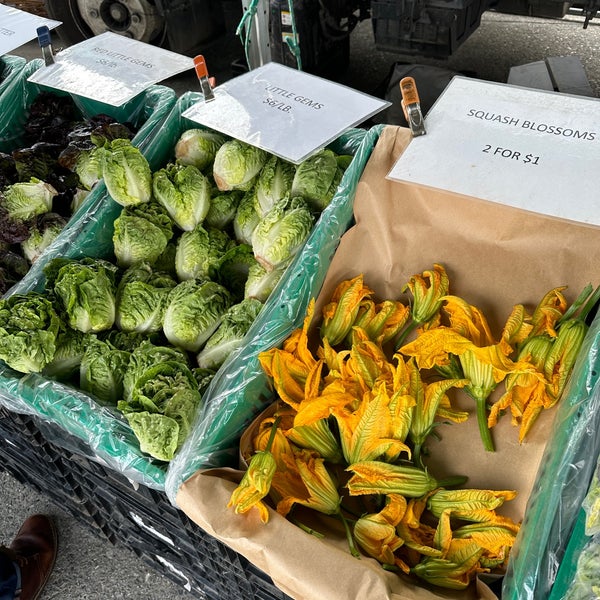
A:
x: 83, y: 19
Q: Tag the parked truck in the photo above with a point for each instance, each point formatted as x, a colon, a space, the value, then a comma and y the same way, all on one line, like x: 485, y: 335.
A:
x: 312, y: 33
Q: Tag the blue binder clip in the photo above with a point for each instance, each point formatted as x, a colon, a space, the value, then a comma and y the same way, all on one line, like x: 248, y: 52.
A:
x: 45, y: 42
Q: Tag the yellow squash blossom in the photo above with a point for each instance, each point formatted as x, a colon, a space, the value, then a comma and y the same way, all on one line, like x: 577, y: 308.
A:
x: 468, y: 504
x: 341, y: 312
x: 322, y: 494
x: 255, y: 485
x: 377, y: 477
x: 548, y: 312
x: 366, y: 434
x: 318, y: 437
x: 376, y: 533
x: 417, y: 535
x: 381, y: 322
x: 455, y: 571
x: 428, y: 398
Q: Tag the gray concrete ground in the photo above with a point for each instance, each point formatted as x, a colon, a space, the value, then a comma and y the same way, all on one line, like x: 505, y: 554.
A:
x: 89, y: 568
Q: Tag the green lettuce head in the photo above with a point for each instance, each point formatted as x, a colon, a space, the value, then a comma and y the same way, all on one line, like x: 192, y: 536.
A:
x: 237, y: 165
x: 229, y: 335
x: 29, y: 326
x: 246, y: 218
x: 282, y: 232
x: 194, y: 312
x: 274, y: 183
x: 198, y: 147
x: 25, y: 200
x: 86, y: 290
x: 317, y: 179
x: 142, y: 296
x: 141, y: 234
x: 184, y: 192
x: 126, y: 172
x: 199, y: 252
x: 102, y: 370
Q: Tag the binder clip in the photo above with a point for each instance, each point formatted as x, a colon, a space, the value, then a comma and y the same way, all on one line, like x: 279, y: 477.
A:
x: 206, y: 83
x: 45, y: 42
x: 411, y: 106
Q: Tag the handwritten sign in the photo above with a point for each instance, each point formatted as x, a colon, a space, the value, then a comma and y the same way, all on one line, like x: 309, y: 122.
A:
x: 110, y: 68
x: 287, y: 112
x: 530, y: 149
x: 18, y: 27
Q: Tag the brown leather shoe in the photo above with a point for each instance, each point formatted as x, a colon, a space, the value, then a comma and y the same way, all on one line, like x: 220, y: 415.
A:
x: 35, y: 548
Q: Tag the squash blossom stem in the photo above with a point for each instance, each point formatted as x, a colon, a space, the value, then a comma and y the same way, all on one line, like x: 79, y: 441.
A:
x: 405, y: 333
x: 482, y: 421
x: 349, y: 536
x: 452, y: 481
x: 307, y: 529
x: 272, y: 434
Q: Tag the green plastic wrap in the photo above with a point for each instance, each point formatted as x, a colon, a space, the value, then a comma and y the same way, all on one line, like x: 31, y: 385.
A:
x: 10, y: 67
x: 103, y: 431
x: 239, y: 391
x: 561, y: 483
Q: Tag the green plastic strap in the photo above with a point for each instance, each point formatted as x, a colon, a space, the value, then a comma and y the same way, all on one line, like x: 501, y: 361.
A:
x: 292, y: 42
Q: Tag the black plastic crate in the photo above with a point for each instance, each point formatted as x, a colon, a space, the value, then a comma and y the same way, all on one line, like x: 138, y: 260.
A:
x: 431, y: 28
x: 139, y: 518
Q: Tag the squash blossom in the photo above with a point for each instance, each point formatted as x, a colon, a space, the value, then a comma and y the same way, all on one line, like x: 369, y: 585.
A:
x: 428, y: 290
x: 455, y: 571
x: 341, y: 312
x: 256, y: 482
x: 255, y: 485
x: 376, y: 477
x: 376, y: 533
x: 468, y: 504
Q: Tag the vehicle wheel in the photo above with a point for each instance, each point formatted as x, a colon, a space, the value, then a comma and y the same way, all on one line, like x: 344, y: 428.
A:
x: 83, y: 19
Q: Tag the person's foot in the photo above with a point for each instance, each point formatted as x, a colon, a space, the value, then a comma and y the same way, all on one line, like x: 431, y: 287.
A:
x: 35, y: 548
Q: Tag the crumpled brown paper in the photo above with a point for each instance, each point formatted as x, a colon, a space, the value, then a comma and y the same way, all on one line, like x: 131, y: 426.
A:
x: 495, y: 256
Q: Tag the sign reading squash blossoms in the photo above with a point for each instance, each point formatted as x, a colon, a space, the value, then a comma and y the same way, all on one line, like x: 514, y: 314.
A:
x: 110, y: 68
x: 287, y: 112
x: 525, y: 148
x: 18, y: 27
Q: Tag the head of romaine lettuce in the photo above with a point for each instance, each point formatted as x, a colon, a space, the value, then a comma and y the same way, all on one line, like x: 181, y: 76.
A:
x: 142, y: 296
x: 230, y: 334
x: 126, y: 172
x: 29, y: 326
x: 198, y: 147
x: 317, y: 178
x: 27, y: 199
x: 246, y: 218
x: 237, y: 164
x: 274, y: 182
x: 102, y: 370
x: 86, y: 290
x: 199, y: 252
x: 184, y: 192
x: 223, y: 207
x: 141, y: 234
x: 282, y: 232
x: 195, y: 310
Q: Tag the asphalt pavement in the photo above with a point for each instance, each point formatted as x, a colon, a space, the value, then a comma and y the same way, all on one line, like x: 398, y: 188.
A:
x: 90, y: 568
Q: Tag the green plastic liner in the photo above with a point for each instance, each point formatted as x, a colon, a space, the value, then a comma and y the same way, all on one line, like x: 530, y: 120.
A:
x: 10, y: 67
x: 240, y: 390
x: 103, y: 430
x: 562, y: 481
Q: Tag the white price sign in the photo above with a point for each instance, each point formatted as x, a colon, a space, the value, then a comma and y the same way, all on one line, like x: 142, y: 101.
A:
x: 110, y: 68
x: 287, y: 112
x: 535, y: 150
x: 18, y: 27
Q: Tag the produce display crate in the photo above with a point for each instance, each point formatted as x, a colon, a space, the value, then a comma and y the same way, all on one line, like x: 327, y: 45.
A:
x: 138, y: 518
x: 10, y: 67
x: 434, y: 29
